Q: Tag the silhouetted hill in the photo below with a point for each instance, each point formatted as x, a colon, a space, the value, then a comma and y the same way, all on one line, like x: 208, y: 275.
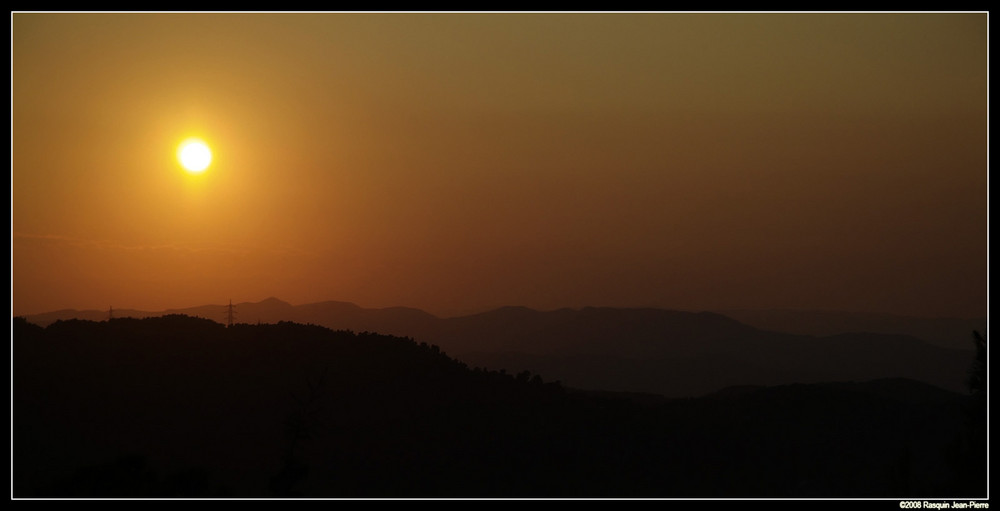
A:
x: 683, y: 353
x: 182, y: 406
x: 47, y: 318
x: 594, y: 331
x: 900, y: 389
x: 673, y: 353
x: 952, y: 333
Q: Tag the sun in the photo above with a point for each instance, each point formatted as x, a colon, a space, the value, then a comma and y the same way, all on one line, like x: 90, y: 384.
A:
x: 194, y: 155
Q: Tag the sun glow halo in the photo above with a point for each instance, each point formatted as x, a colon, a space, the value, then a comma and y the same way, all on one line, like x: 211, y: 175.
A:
x: 194, y: 155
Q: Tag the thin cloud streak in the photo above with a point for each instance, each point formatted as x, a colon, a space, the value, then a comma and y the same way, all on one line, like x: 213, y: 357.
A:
x: 191, y: 249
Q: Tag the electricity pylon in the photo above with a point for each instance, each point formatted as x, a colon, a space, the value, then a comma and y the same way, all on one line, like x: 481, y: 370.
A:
x: 229, y: 314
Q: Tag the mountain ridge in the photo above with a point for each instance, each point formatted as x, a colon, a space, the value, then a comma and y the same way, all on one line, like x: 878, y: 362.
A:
x: 674, y: 353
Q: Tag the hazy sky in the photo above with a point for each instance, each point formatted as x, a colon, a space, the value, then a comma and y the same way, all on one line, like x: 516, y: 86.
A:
x: 459, y: 162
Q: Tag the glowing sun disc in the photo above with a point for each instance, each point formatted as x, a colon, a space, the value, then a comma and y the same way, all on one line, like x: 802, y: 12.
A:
x: 194, y: 155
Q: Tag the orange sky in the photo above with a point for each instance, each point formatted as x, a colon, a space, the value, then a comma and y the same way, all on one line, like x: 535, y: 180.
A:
x: 459, y: 162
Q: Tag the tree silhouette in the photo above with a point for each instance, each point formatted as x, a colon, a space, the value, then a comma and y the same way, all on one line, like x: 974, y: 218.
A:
x: 977, y: 374
x: 300, y: 426
x: 973, y: 458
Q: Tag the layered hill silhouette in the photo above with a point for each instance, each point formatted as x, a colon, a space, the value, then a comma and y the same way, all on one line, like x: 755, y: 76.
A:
x: 183, y: 406
x: 673, y: 353
x: 945, y: 332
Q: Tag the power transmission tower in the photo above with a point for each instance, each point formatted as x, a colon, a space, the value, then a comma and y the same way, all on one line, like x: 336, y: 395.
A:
x: 111, y: 313
x: 229, y: 314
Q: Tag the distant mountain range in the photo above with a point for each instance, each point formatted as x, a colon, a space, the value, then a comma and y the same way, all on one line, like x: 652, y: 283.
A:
x: 946, y: 332
x: 672, y: 353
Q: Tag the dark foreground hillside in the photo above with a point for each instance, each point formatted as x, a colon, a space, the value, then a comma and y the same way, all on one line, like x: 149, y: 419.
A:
x: 180, y: 406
